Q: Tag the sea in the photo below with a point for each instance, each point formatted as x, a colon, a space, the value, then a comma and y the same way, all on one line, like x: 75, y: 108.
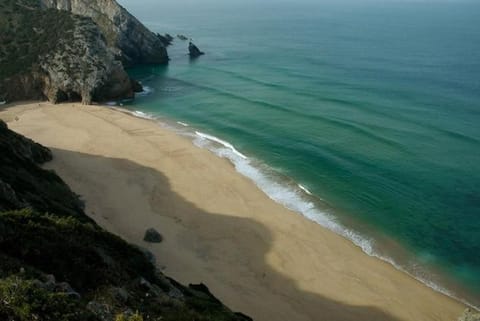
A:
x: 363, y: 116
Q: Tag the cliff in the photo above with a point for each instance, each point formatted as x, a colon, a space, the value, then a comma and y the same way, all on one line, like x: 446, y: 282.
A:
x: 57, y: 264
x: 123, y: 32
x: 74, y: 54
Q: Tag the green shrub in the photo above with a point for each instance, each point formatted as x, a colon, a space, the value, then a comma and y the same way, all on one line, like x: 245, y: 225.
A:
x: 23, y: 300
x: 123, y: 317
x: 79, y: 253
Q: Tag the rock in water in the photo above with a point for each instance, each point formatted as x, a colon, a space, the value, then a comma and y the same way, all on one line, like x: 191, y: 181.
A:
x: 193, y: 51
x: 152, y: 236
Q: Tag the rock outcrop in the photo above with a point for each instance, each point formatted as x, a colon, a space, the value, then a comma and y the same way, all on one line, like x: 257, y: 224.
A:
x: 123, y: 32
x: 84, y: 67
x: 24, y: 184
x: 193, y: 51
x: 66, y: 50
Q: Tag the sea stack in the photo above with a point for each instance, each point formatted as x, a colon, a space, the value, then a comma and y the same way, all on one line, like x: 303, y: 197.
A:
x: 193, y: 50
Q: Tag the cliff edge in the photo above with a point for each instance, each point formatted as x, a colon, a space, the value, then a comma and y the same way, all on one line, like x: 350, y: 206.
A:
x: 63, y: 50
x: 129, y: 38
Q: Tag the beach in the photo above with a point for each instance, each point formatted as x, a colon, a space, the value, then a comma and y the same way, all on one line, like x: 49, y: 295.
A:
x: 218, y: 227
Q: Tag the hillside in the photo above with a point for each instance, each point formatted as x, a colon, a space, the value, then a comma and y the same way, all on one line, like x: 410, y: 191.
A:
x: 79, y: 54
x: 57, y: 264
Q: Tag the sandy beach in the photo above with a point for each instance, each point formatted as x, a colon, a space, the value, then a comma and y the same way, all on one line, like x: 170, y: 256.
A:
x: 218, y: 227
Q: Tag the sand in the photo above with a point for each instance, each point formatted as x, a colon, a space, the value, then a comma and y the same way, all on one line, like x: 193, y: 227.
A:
x: 219, y: 228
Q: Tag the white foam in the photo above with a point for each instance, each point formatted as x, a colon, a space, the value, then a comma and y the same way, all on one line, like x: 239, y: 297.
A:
x: 297, y: 198
x: 291, y: 196
x: 303, y: 188
x: 146, y: 91
x: 182, y: 123
x: 111, y: 103
x: 222, y: 142
x: 141, y: 114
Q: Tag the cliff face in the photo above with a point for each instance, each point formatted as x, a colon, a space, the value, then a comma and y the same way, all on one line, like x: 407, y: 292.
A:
x: 24, y: 184
x: 84, y: 66
x: 58, y: 264
x: 71, y: 50
x: 132, y: 41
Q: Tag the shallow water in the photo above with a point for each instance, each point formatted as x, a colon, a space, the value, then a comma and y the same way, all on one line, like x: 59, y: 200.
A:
x: 373, y: 108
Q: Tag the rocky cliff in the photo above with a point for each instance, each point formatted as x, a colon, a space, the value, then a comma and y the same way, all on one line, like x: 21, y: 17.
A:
x: 71, y: 50
x: 123, y: 32
x: 58, y: 264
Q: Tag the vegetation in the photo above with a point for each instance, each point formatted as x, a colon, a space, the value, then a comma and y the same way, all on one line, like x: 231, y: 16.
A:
x: 61, y: 266
x: 28, y: 33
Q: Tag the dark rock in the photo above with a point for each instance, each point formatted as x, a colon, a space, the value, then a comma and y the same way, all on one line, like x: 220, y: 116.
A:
x: 49, y: 283
x: 193, y: 51
x: 182, y: 37
x: 120, y: 294
x: 165, y: 39
x: 144, y: 284
x: 64, y: 287
x: 24, y: 184
x: 203, y: 289
x: 242, y: 316
x: 101, y: 310
x: 149, y: 255
x: 136, y: 86
x: 8, y: 197
x: 175, y: 293
x: 152, y: 236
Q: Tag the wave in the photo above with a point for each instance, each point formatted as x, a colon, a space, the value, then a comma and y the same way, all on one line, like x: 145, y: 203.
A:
x: 141, y: 114
x: 222, y: 142
x: 299, y: 199
x: 146, y: 91
x: 295, y: 197
x: 303, y: 188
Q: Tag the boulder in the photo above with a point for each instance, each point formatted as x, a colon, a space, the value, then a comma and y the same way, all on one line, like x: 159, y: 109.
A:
x: 152, y: 236
x: 193, y: 51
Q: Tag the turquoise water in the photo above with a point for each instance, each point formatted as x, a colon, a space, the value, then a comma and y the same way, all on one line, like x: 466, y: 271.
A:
x: 374, y: 107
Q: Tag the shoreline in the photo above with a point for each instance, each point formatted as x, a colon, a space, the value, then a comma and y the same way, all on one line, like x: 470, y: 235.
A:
x: 321, y: 270
x: 429, y: 276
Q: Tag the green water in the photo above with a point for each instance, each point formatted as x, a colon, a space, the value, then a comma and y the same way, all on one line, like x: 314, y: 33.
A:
x: 374, y: 107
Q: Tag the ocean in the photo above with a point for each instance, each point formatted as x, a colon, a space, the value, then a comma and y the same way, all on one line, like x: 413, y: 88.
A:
x: 362, y: 116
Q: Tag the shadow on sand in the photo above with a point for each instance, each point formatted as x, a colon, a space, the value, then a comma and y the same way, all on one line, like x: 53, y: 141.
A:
x: 210, y: 241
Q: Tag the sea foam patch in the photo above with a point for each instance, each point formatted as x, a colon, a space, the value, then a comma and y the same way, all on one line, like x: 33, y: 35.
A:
x: 141, y: 114
x: 221, y: 142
